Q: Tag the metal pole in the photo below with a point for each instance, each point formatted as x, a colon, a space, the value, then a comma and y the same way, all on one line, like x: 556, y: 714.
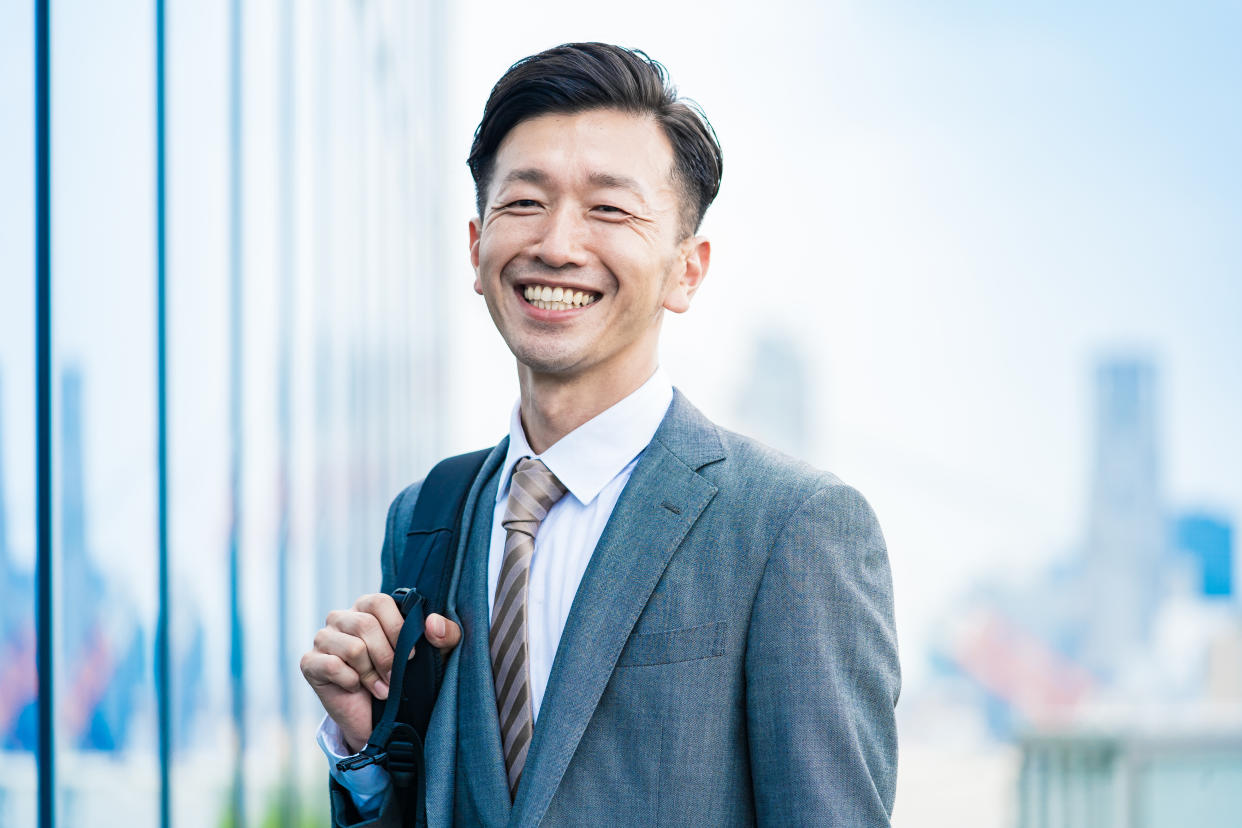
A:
x: 163, y: 647
x: 43, y: 413
x: 236, y: 652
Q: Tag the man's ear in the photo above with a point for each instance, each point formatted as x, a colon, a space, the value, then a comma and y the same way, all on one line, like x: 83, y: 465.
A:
x: 695, y: 256
x: 476, y: 231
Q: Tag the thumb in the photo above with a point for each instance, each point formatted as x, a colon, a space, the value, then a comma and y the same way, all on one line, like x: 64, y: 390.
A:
x: 442, y: 633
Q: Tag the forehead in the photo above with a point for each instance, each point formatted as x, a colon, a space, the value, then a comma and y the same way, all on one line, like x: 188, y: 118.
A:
x: 589, y: 147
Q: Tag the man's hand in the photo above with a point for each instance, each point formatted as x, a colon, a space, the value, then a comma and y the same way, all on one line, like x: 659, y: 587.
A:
x: 352, y: 660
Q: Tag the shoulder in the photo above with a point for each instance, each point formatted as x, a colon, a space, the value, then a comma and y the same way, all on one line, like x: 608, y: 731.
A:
x: 760, y: 490
x: 451, y: 480
x: 754, y: 466
x: 788, y: 501
x: 399, y: 513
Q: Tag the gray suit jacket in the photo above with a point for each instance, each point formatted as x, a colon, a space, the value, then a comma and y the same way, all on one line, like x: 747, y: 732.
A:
x: 729, y: 659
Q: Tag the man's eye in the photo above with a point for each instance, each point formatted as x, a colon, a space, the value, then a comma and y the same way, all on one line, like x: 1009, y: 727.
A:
x: 611, y: 210
x: 523, y: 203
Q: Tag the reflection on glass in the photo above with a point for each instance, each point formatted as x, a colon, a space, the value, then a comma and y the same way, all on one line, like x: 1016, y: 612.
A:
x: 103, y: 408
x: 335, y: 386
x: 18, y: 676
x: 18, y: 679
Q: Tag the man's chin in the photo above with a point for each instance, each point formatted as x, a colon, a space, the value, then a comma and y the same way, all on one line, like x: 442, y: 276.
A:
x: 551, y: 362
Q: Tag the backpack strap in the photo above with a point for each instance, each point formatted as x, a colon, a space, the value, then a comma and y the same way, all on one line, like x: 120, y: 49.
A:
x: 423, y: 572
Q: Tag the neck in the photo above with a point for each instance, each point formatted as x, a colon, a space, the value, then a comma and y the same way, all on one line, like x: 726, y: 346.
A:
x: 552, y: 406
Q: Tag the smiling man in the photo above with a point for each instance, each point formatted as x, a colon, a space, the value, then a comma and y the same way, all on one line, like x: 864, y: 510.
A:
x: 660, y: 621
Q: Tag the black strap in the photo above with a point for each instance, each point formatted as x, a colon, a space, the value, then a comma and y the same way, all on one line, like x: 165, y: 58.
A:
x: 424, y: 569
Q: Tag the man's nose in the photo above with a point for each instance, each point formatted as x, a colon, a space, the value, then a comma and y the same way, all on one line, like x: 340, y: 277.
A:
x: 562, y: 242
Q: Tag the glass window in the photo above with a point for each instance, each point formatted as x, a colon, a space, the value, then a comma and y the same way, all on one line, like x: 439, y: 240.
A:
x: 18, y: 677
x: 103, y: 257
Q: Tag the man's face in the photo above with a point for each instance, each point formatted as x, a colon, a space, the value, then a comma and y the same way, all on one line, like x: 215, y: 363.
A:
x: 583, y: 207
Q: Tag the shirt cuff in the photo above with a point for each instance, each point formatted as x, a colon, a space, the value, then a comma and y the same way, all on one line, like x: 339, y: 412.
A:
x: 368, y: 786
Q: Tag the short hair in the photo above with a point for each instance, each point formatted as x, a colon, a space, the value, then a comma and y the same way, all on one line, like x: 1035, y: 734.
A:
x: 577, y: 77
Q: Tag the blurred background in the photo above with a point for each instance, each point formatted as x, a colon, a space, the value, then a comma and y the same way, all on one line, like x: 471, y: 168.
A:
x: 982, y: 260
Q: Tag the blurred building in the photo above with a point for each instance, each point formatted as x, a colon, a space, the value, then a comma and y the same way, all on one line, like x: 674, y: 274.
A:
x: 18, y: 682
x: 1206, y: 543
x: 1126, y: 537
x: 774, y: 397
x: 1130, y: 780
x: 104, y: 648
x: 1118, y: 671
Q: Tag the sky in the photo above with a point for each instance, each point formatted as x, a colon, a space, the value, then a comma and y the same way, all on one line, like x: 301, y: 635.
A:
x: 954, y: 212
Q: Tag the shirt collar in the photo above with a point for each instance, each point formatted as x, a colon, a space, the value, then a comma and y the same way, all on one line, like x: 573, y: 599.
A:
x: 591, y: 455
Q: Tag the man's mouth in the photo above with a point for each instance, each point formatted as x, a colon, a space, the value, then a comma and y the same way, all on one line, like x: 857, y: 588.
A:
x: 547, y: 297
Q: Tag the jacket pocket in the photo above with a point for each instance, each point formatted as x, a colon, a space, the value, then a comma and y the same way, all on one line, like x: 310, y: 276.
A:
x: 670, y: 646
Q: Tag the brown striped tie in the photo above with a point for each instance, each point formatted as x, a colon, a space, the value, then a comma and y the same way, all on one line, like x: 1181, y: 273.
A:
x: 532, y: 492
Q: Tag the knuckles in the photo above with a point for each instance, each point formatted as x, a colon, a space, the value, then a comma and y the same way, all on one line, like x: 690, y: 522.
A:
x: 355, y: 650
x: 321, y: 639
x: 372, y: 601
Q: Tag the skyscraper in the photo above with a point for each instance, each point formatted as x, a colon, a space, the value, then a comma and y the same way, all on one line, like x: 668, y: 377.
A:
x: 774, y: 400
x: 1125, y: 536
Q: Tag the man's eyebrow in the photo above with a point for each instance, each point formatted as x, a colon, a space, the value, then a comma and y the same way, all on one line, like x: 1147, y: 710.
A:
x: 528, y: 174
x: 615, y: 182
x: 603, y: 180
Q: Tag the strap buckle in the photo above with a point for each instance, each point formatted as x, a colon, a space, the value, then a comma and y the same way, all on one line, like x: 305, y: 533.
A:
x: 407, y: 599
x: 369, y: 755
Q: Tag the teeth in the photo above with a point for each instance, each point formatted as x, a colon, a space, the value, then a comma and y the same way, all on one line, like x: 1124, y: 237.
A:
x: 558, y: 298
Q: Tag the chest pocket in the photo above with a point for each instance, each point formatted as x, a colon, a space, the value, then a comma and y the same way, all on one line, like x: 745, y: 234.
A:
x: 671, y: 646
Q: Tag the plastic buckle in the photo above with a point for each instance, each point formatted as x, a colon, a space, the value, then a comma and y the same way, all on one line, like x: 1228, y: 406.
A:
x: 407, y: 599
x: 369, y: 755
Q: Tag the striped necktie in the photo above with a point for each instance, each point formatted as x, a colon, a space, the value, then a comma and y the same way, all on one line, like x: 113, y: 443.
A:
x: 532, y: 492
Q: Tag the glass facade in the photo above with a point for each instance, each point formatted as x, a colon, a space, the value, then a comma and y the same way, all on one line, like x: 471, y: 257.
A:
x: 238, y: 233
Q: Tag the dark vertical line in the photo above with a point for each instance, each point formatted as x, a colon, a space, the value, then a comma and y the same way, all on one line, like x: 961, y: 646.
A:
x: 43, y: 412
x: 236, y: 653
x: 283, y: 413
x: 163, y: 647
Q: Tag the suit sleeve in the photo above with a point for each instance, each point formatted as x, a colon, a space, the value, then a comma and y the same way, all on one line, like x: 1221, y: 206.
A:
x: 345, y: 804
x: 822, y: 676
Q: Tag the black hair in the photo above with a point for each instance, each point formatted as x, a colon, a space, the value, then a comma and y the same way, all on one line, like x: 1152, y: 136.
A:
x: 577, y: 77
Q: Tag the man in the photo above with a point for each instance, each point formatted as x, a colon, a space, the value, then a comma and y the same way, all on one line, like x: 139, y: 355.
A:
x: 660, y: 622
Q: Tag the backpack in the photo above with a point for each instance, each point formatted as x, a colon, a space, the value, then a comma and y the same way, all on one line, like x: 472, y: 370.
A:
x: 423, y: 575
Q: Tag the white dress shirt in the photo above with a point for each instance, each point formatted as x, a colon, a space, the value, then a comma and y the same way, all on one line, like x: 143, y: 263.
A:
x: 594, y: 462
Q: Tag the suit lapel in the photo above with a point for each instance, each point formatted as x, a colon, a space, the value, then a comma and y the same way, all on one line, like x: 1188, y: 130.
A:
x: 661, y: 502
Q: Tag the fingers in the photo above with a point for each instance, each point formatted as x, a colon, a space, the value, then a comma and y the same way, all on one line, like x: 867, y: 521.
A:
x: 384, y: 608
x: 362, y: 639
x: 442, y: 633
x: 355, y: 648
x: 365, y: 652
x: 323, y: 669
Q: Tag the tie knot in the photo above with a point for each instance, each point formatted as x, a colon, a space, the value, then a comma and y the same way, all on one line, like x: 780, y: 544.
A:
x: 533, y: 490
